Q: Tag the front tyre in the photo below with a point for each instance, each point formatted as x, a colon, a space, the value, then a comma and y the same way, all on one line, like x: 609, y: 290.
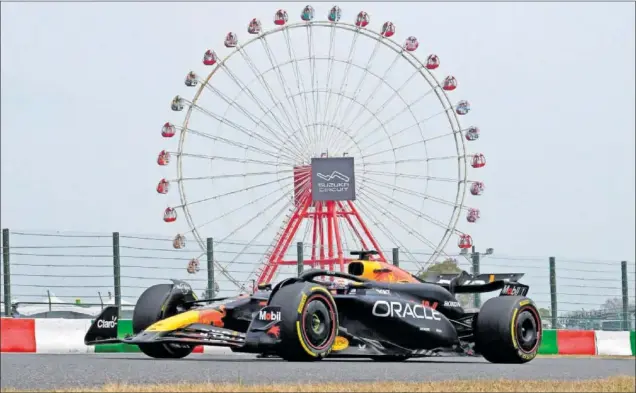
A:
x: 508, y: 330
x: 309, y: 323
x: 156, y: 303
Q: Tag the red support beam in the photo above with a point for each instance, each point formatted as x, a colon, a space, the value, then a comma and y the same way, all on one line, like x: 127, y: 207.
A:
x: 325, y: 227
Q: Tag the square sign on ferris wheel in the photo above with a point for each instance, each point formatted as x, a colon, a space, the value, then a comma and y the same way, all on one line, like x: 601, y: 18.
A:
x: 333, y: 179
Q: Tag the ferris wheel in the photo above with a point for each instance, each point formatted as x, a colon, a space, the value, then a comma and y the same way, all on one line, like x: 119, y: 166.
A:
x: 323, y: 132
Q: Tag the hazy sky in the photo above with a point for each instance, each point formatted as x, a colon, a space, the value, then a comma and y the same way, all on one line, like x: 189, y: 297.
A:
x: 86, y: 86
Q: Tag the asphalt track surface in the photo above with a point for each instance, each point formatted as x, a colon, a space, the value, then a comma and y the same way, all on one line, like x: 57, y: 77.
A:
x: 31, y: 371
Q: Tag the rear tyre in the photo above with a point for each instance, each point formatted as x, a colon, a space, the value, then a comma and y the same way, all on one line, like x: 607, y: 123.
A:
x: 309, y: 323
x: 508, y: 330
x: 148, y: 310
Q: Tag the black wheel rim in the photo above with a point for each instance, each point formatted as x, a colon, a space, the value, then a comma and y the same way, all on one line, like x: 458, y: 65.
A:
x: 527, y: 331
x: 317, y: 323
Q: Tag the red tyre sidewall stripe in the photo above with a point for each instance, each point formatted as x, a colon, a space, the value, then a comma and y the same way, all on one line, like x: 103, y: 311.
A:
x: 537, y: 320
x: 333, y: 319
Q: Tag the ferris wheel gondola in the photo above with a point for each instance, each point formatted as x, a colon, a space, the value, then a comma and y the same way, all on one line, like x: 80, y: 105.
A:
x: 311, y: 94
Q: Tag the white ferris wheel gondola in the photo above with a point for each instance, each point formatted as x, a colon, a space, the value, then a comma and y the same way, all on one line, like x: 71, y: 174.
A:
x: 309, y: 90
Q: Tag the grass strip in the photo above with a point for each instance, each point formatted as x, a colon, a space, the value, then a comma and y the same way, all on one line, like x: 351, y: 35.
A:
x: 611, y: 384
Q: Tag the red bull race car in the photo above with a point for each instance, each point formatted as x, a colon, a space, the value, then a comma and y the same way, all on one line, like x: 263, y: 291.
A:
x: 381, y: 312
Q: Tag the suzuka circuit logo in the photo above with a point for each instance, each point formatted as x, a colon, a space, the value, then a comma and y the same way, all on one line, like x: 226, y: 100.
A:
x: 334, y: 182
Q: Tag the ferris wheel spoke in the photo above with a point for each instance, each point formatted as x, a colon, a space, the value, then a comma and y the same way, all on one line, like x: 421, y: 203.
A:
x: 250, y: 219
x: 374, y: 115
x: 411, y: 176
x: 398, y: 220
x: 257, y: 101
x: 302, y: 127
x: 376, y: 88
x: 390, y: 234
x: 282, y: 80
x: 248, y: 114
x: 238, y: 127
x: 259, y: 234
x: 383, y: 106
x: 419, y: 194
x: 393, y: 149
x: 416, y: 124
x: 275, y: 99
x: 299, y: 81
x: 343, y: 83
x: 231, y: 159
x: 407, y: 107
x: 273, y: 244
x: 231, y: 175
x: 230, y: 193
x: 321, y: 130
x: 241, y: 144
x: 358, y: 88
x: 315, y: 83
x: 248, y: 204
x: 391, y: 201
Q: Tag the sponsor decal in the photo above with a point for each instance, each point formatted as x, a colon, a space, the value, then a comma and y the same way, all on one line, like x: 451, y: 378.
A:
x: 333, y: 182
x: 392, y: 309
x: 303, y: 299
x: 426, y: 303
x: 340, y: 343
x: 333, y: 179
x: 269, y: 315
x: 468, y: 282
x: 527, y: 356
x: 383, y: 291
x: 274, y: 331
x: 103, y: 324
x: 514, y: 290
x: 451, y: 304
x: 184, y: 287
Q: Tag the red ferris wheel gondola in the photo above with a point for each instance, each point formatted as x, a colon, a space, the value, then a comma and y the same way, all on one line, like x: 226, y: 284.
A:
x: 164, y: 158
x: 432, y: 62
x: 477, y: 188
x: 465, y: 241
x: 163, y: 187
x: 363, y: 19
x: 472, y: 133
x: 168, y: 130
x: 231, y: 40
x: 170, y: 215
x: 473, y: 215
x: 411, y: 44
x: 450, y: 83
x: 388, y: 29
x: 478, y: 161
x: 280, y: 17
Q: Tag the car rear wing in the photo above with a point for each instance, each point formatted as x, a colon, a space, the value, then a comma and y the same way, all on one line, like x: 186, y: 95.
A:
x: 488, y: 282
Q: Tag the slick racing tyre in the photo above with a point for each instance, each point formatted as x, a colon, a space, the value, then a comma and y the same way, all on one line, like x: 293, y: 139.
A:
x: 508, y: 330
x: 148, y: 310
x: 309, y: 321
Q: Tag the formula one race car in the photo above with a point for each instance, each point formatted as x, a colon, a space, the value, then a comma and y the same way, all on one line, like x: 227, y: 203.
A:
x: 381, y: 312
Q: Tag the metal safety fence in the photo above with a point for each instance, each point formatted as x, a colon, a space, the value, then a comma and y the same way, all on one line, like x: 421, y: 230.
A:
x: 72, y: 275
